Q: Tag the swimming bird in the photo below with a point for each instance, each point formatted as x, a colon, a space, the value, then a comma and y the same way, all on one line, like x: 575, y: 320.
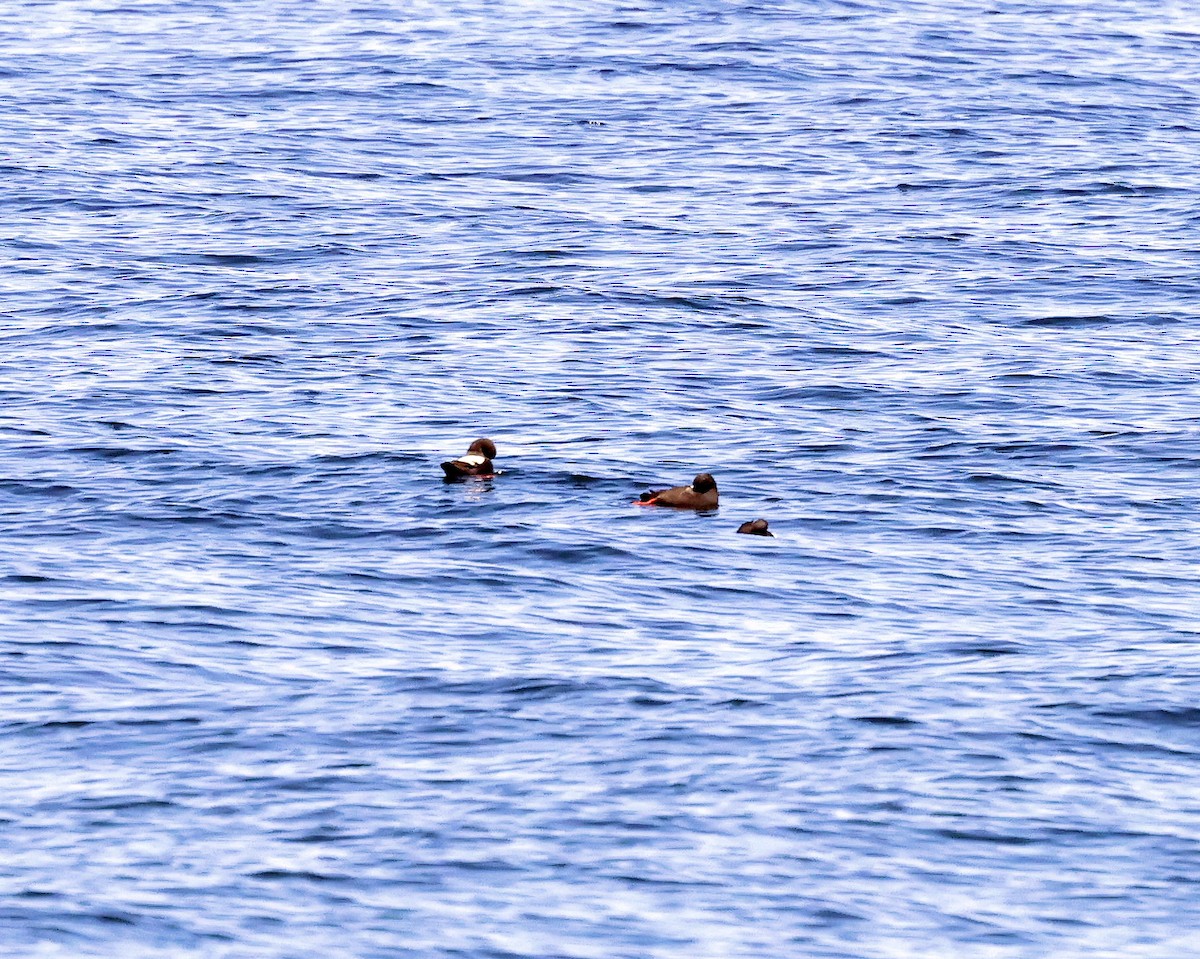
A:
x: 756, y: 527
x: 702, y: 494
x: 477, y: 461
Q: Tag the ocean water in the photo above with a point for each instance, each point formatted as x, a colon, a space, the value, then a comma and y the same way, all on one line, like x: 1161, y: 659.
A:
x: 917, y: 282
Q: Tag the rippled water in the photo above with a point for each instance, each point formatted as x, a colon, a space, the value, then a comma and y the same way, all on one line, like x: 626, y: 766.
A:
x: 917, y: 282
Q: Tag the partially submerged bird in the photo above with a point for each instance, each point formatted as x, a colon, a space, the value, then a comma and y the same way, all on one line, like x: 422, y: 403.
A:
x: 477, y: 461
x: 702, y: 494
x: 756, y: 527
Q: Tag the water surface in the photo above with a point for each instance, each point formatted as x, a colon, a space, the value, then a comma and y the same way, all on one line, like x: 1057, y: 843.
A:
x: 917, y: 282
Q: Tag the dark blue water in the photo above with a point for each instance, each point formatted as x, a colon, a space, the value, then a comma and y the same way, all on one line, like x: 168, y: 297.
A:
x: 917, y: 282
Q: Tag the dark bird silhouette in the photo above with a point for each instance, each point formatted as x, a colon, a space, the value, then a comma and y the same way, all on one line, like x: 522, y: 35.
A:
x: 702, y: 494
x: 477, y: 461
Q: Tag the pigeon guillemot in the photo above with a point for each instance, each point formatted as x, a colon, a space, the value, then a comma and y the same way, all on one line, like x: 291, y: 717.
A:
x: 476, y: 462
x: 702, y: 494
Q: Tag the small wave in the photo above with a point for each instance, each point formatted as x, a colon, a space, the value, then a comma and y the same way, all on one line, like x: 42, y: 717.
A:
x: 303, y: 875
x: 1072, y: 320
x: 367, y: 457
x: 122, y: 452
x: 1000, y: 839
x: 851, y: 351
x: 842, y: 394
x: 1102, y: 188
x: 536, y: 290
x: 688, y: 66
x: 38, y: 489
x: 887, y: 721
x: 222, y: 259
x: 1001, y: 479
x: 559, y: 177
x: 1185, y: 716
